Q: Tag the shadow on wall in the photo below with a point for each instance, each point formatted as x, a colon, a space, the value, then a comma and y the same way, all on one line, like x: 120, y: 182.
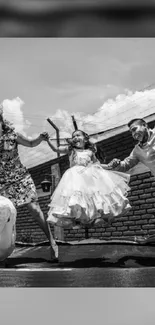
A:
x: 72, y: 18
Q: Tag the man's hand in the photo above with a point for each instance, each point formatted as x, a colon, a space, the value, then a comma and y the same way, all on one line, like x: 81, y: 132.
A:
x: 114, y: 163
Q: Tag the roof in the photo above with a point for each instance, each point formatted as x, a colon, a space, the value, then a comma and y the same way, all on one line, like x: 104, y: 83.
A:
x: 117, y: 130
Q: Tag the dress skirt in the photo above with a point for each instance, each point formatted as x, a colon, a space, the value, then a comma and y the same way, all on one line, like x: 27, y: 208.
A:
x: 88, y: 194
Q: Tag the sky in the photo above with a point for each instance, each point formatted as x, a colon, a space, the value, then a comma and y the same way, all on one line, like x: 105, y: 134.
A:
x: 102, y: 82
x: 109, y: 306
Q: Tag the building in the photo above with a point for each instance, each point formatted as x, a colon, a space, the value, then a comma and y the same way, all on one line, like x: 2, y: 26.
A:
x: 114, y: 143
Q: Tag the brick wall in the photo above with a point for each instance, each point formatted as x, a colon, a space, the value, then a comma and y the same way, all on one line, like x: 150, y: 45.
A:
x: 139, y: 221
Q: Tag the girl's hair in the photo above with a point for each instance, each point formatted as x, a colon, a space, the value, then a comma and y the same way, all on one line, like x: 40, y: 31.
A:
x: 88, y: 143
x: 139, y: 120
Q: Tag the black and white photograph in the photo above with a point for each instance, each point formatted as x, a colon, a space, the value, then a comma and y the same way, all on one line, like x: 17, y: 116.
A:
x: 77, y: 167
x: 77, y: 162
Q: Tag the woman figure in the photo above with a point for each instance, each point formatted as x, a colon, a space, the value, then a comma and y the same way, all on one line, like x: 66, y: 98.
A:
x: 15, y: 181
x: 87, y: 192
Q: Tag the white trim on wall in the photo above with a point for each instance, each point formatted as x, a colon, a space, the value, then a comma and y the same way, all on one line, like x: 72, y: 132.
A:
x: 139, y: 169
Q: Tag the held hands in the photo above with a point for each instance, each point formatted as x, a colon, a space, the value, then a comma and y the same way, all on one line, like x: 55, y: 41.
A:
x: 114, y: 163
x: 44, y: 136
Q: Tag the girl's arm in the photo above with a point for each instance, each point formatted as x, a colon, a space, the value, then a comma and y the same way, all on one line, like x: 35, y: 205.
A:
x: 61, y: 150
x: 26, y: 142
x: 104, y: 166
x: 94, y: 159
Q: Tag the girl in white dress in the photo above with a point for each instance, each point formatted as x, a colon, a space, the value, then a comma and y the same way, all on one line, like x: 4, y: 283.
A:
x: 87, y: 193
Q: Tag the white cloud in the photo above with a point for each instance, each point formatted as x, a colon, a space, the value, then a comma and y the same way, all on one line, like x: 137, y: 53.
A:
x: 12, y: 111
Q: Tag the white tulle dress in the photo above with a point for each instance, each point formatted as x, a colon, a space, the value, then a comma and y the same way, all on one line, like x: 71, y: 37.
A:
x: 88, y: 193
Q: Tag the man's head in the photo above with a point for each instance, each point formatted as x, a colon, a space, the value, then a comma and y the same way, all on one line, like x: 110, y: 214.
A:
x: 139, y: 129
